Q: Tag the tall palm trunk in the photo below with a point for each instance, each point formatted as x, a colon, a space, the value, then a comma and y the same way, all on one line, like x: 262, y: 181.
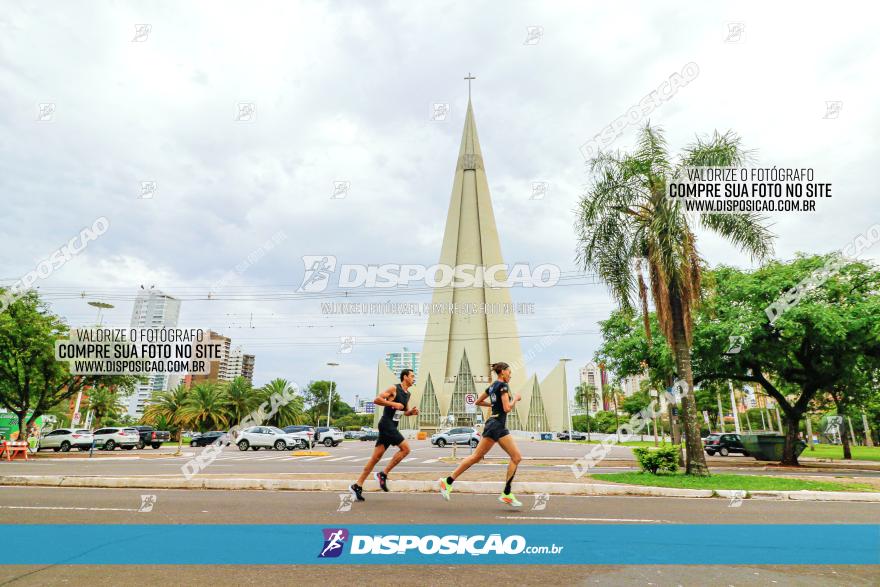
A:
x: 695, y: 460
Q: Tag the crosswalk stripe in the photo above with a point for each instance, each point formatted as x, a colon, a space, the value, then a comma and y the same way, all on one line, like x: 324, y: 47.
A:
x: 431, y: 461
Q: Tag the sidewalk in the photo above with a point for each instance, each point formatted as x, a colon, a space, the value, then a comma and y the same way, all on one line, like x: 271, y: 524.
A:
x: 275, y: 483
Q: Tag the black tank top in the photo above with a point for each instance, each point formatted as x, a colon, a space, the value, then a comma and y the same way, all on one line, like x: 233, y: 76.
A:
x: 495, y: 391
x: 390, y: 417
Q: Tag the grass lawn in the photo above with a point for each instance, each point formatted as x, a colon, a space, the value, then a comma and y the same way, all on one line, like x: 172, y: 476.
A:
x: 627, y: 443
x: 722, y: 481
x: 829, y: 451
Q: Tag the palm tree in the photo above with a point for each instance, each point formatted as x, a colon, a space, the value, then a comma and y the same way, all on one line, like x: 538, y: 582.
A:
x: 584, y: 394
x: 625, y: 217
x: 207, y: 406
x: 286, y: 413
x: 169, y: 407
x: 103, y: 402
x: 241, y: 399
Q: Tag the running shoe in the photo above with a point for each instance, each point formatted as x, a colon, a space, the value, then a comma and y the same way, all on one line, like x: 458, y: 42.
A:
x: 357, y: 491
x: 382, y: 478
x: 445, y: 489
x: 510, y: 499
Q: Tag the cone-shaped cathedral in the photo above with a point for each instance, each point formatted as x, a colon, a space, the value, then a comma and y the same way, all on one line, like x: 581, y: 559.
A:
x: 460, y: 346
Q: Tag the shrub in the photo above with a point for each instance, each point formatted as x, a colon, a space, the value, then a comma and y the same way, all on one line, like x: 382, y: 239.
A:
x: 657, y: 460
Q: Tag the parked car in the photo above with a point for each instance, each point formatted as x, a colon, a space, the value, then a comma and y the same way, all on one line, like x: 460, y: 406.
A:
x: 354, y: 434
x: 328, y: 436
x: 370, y: 435
x: 65, y: 439
x: 456, y: 436
x: 724, y: 444
x: 154, y: 438
x: 257, y: 437
x: 310, y: 430
x: 574, y: 436
x: 209, y: 438
x: 110, y: 438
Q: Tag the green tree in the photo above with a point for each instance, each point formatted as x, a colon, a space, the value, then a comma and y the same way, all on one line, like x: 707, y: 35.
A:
x: 104, y: 403
x: 814, y: 346
x: 207, y: 406
x: 584, y: 395
x: 287, y: 413
x: 241, y: 399
x: 171, y: 409
x: 626, y: 217
x: 316, y: 402
x: 31, y: 380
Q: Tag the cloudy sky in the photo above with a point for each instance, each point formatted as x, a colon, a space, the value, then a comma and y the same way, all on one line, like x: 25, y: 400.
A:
x: 344, y: 92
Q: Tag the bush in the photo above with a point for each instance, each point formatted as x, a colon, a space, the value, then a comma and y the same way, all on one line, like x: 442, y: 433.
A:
x: 660, y: 460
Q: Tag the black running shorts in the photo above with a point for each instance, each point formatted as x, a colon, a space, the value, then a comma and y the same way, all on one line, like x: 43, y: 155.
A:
x: 389, y: 437
x: 495, y: 430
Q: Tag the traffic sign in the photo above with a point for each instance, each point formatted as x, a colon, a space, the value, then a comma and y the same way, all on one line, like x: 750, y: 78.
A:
x: 75, y: 418
x: 470, y: 403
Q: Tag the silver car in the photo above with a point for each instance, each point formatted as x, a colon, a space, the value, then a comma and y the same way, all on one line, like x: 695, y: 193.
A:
x: 65, y: 439
x: 456, y: 436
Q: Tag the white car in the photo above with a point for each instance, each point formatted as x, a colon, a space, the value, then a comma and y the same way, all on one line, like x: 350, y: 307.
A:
x: 257, y: 437
x: 328, y: 436
x: 110, y: 438
x: 65, y: 439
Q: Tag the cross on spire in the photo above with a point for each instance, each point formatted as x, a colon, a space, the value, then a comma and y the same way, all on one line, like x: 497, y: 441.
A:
x: 469, y: 78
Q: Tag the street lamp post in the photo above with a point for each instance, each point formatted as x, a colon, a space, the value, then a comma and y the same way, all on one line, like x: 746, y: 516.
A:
x: 330, y: 394
x: 101, y: 306
x: 567, y: 402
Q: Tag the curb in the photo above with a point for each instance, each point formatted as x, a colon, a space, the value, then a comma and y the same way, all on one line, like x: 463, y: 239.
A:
x: 411, y: 486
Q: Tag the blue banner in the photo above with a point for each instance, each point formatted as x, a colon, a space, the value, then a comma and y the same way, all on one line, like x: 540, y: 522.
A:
x: 558, y: 544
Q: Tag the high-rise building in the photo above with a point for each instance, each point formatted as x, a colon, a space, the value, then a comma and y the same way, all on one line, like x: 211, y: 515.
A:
x: 459, y: 347
x: 238, y: 364
x: 219, y: 369
x: 632, y: 384
x: 247, y: 367
x: 407, y: 359
x: 152, y: 309
x: 593, y: 375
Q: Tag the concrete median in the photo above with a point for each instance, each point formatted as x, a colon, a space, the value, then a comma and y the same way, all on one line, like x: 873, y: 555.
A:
x: 418, y: 486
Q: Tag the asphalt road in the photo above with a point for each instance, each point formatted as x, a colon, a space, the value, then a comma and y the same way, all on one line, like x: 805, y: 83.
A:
x: 349, y: 458
x: 120, y: 506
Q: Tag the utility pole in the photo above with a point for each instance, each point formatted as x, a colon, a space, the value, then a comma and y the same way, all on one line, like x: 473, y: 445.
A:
x: 868, y: 440
x: 733, y: 407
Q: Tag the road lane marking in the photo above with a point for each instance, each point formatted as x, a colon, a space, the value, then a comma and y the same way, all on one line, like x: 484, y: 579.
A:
x: 44, y: 507
x: 560, y: 518
x: 431, y: 461
x: 339, y: 459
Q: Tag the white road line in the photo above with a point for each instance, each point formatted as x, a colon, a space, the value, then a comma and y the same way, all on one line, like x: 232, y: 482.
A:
x: 431, y: 461
x: 577, y: 519
x: 314, y: 458
x: 41, y: 507
x: 339, y: 459
x: 409, y: 459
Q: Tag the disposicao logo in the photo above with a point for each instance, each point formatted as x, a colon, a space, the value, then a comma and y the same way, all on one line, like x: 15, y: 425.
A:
x: 334, y: 540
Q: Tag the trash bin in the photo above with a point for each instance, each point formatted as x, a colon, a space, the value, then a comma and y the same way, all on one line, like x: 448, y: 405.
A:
x: 546, y: 436
x: 768, y: 447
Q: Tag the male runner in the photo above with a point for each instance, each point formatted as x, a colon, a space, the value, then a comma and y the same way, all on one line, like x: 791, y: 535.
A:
x: 395, y: 400
x: 496, y: 396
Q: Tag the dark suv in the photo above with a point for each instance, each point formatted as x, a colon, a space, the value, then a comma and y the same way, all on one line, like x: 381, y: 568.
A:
x: 724, y: 444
